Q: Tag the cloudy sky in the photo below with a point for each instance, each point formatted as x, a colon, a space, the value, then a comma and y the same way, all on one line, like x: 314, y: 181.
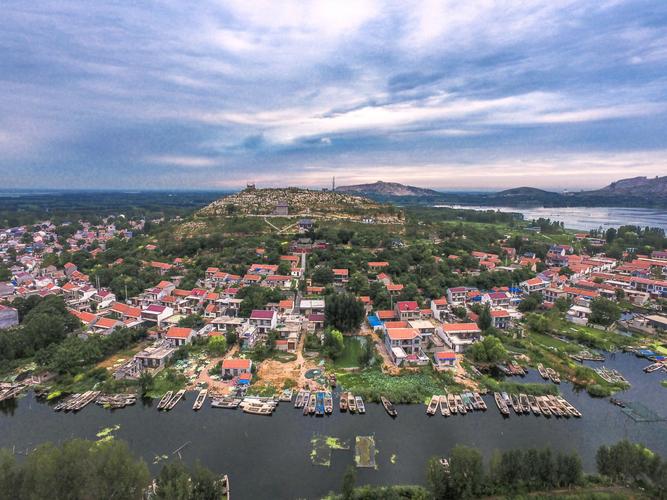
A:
x: 443, y: 94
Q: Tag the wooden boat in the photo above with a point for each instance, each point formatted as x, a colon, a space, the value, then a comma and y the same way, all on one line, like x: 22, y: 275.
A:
x: 226, y: 402
x: 342, y: 404
x: 544, y: 407
x: 553, y: 375
x: 306, y: 398
x: 501, y: 404
x: 525, y: 405
x: 174, y: 401
x: 328, y: 403
x: 542, y: 371
x: 258, y: 409
x: 534, y: 406
x: 451, y: 402
x: 201, y: 397
x: 617, y: 402
x: 468, y: 401
x: 165, y: 400
x: 360, y: 405
x: 319, y: 404
x: 459, y: 404
x: 351, y: 403
x: 312, y: 404
x: 507, y: 399
x: 481, y: 405
x: 569, y: 407
x: 444, y: 407
x: 298, y: 400
x: 653, y: 367
x: 432, y: 406
x: 389, y: 408
x: 286, y: 395
x: 556, y: 409
x: 518, y: 409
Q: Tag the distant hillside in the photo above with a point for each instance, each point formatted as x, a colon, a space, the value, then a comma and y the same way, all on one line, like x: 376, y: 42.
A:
x: 297, y: 202
x: 634, y: 186
x: 386, y: 190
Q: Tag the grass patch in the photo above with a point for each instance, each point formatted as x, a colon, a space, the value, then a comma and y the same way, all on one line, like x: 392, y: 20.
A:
x: 167, y: 380
x: 407, y: 387
x: 664, y: 383
x: 535, y: 389
x: 350, y: 356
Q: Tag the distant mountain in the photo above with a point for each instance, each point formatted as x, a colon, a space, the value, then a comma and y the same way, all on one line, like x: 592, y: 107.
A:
x: 386, y: 190
x: 634, y: 186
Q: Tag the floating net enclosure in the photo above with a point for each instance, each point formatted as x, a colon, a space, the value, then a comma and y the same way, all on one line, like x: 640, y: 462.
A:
x: 320, y: 453
x: 640, y: 413
x: 364, y: 451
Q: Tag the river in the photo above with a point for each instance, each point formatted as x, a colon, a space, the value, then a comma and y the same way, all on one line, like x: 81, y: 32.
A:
x: 270, y: 456
x: 586, y: 218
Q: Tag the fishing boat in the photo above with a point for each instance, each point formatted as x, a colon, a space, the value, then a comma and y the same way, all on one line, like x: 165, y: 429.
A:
x: 432, y: 406
x: 306, y: 398
x: 257, y: 408
x: 553, y: 375
x: 389, y: 408
x: 328, y: 403
x: 507, y: 399
x: 174, y: 401
x: 542, y: 371
x: 569, y: 407
x: 360, y: 405
x: 298, y: 400
x: 312, y: 404
x: 523, y: 400
x: 544, y: 407
x: 286, y: 395
x: 468, y: 401
x: 201, y: 397
x: 534, y: 406
x: 319, y: 404
x: 444, y: 407
x: 653, y: 367
x: 518, y: 409
x: 481, y: 405
x: 451, y: 402
x: 459, y: 404
x: 165, y: 400
x: 343, y: 401
x: 556, y: 409
x: 617, y: 402
x: 351, y: 403
x: 500, y: 403
x: 226, y: 402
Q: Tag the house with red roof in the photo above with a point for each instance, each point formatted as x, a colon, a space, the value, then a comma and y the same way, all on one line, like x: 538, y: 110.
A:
x: 500, y: 318
x: 233, y: 367
x: 408, y: 310
x: 403, y: 343
x: 444, y: 360
x: 439, y: 308
x: 459, y: 336
x: 264, y: 320
x: 178, y: 336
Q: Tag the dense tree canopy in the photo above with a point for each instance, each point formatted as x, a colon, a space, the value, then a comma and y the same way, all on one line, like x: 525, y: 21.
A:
x: 344, y: 311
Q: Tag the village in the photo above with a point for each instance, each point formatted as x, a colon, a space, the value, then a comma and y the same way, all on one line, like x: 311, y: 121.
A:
x: 254, y: 333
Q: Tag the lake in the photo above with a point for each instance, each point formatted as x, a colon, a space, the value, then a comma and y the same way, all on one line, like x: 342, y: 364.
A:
x: 270, y: 456
x: 586, y: 218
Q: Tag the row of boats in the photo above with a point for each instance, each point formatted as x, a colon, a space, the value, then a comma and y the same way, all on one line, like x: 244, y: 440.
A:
x: 10, y: 391
x: 116, y: 401
x: 318, y: 403
x: 451, y: 404
x: 538, y: 405
x: 611, y: 376
x: 548, y: 373
x: 77, y: 401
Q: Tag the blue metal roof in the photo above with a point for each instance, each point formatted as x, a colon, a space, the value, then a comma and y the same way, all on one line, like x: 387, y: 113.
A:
x: 374, y: 321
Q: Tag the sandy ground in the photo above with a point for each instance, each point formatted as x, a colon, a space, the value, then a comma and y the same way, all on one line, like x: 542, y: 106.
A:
x: 220, y: 387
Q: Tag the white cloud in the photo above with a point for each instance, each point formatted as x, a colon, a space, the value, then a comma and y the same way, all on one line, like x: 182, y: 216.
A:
x: 183, y: 161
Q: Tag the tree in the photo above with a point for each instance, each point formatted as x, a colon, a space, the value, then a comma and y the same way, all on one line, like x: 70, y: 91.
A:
x: 604, y: 311
x: 466, y: 472
x: 485, y: 321
x: 367, y: 352
x: 145, y: 383
x: 194, y: 321
x: 231, y: 337
x: 532, y: 302
x: 217, y: 345
x: 437, y: 480
x: 333, y: 342
x: 563, y: 304
x: 323, y: 275
x: 343, y: 311
x: 349, y: 479
x: 488, y: 350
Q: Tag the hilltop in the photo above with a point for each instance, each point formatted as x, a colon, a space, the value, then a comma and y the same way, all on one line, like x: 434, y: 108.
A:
x: 387, y: 189
x: 634, y: 186
x: 298, y: 202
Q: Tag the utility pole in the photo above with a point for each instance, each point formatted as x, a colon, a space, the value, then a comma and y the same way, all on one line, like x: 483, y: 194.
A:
x: 333, y: 183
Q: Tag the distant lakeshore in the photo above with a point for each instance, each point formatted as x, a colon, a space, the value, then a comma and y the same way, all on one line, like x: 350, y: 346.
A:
x: 584, y: 218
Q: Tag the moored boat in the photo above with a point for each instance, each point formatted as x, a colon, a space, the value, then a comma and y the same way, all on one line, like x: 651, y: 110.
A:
x: 319, y: 404
x: 165, y: 400
x: 201, y: 397
x: 361, y: 408
x: 433, y: 405
x: 544, y: 406
x: 174, y: 400
x: 286, y: 395
x: 518, y: 409
x: 459, y: 404
x: 444, y: 407
x: 501, y: 404
x: 481, y: 405
x: 312, y: 404
x: 534, y: 406
x: 342, y: 404
x: 298, y: 399
x: 389, y: 408
x: 523, y: 400
x: 542, y: 371
x: 328, y: 403
x: 351, y: 403
x: 451, y: 402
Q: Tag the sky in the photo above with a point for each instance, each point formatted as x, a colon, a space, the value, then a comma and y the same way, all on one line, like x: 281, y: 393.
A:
x: 451, y: 95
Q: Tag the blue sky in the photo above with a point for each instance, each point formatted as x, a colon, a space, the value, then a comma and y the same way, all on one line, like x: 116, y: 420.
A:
x: 446, y: 94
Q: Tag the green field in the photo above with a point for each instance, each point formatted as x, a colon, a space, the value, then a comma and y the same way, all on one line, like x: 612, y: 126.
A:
x: 350, y: 356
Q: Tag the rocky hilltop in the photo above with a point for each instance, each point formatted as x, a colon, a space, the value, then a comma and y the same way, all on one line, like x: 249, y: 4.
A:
x: 386, y: 189
x: 298, y: 202
x: 635, y: 186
